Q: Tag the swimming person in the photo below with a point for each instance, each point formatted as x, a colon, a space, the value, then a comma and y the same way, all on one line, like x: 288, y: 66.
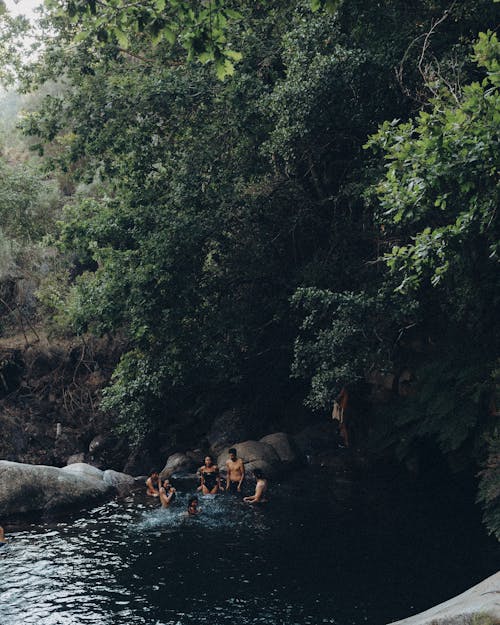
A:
x: 193, y: 506
x: 167, y: 494
x: 260, y: 489
x: 153, y: 484
x: 2, y: 537
x: 235, y: 472
x: 210, y: 479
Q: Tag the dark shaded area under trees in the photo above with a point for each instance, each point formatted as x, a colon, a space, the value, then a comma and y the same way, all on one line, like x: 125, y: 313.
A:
x: 266, y: 239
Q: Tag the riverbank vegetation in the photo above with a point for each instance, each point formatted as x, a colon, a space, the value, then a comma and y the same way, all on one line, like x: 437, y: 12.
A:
x: 273, y: 201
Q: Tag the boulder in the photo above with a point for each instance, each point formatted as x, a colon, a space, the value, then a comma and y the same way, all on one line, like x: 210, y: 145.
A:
x: 178, y: 463
x: 185, y: 482
x: 282, y: 445
x: 317, y: 438
x: 122, y: 482
x: 477, y: 605
x: 38, y: 488
x: 81, y: 468
x: 197, y: 456
x: 255, y: 455
x: 75, y: 458
x: 228, y: 427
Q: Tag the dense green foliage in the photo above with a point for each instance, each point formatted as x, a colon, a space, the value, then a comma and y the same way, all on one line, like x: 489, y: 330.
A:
x: 269, y: 238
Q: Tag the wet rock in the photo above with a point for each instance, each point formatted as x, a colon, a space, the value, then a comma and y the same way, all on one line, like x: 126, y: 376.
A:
x: 178, y: 463
x: 101, y: 443
x: 282, y: 445
x: 121, y: 481
x: 38, y: 488
x: 255, y: 455
x: 228, y: 427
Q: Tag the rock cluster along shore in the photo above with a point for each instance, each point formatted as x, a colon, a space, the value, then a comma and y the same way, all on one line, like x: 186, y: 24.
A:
x: 29, y: 488
x: 480, y: 605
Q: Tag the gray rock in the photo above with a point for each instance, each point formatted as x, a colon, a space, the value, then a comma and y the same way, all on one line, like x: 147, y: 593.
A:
x: 38, y: 488
x: 477, y: 605
x: 197, y: 456
x: 75, y: 458
x: 255, y: 455
x: 81, y: 468
x: 178, y: 463
x: 121, y: 481
x: 185, y: 482
x: 228, y: 427
x: 282, y: 445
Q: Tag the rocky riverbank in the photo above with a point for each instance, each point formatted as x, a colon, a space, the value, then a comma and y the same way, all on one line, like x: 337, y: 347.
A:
x: 480, y: 605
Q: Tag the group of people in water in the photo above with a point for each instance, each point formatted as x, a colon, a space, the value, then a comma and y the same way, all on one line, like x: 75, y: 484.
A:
x: 210, y: 483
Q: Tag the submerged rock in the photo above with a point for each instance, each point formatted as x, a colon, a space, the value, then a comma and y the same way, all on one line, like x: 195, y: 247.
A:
x: 38, y: 488
x: 477, y: 606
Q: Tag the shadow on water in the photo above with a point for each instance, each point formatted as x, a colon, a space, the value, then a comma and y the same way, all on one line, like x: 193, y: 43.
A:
x: 343, y: 552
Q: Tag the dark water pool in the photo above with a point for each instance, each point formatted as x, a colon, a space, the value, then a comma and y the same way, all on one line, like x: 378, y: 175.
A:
x: 347, y: 552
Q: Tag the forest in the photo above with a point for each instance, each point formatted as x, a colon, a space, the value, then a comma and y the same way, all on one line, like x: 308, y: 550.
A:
x: 261, y: 204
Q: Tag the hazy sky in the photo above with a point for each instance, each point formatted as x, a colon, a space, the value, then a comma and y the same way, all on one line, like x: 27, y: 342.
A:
x: 22, y: 7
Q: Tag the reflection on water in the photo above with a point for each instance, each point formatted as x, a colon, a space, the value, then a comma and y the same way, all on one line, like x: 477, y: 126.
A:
x: 318, y: 553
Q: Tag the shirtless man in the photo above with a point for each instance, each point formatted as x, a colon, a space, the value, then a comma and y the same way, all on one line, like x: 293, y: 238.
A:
x: 153, y: 484
x: 235, y: 472
x: 260, y: 489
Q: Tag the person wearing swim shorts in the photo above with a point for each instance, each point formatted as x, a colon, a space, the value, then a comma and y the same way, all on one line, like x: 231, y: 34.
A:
x: 235, y: 473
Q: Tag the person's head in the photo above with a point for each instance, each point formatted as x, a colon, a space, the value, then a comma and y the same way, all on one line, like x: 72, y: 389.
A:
x: 153, y: 473
x: 209, y: 461
x: 258, y: 474
x: 167, y: 484
x: 232, y: 453
x: 193, y: 502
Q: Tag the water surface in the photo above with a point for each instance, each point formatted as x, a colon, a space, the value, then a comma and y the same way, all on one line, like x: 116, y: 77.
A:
x: 343, y: 551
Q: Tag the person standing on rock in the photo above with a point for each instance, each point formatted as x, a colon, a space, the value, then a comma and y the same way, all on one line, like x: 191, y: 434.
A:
x: 153, y: 484
x: 2, y: 537
x: 235, y: 472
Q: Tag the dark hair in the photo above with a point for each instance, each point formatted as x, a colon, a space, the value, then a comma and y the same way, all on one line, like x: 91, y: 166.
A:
x: 192, y: 500
x: 258, y: 474
x: 152, y: 471
x: 209, y: 456
x: 232, y: 451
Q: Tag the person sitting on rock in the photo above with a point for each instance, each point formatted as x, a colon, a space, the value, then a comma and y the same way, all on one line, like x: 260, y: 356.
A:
x: 260, y: 489
x: 209, y: 475
x: 235, y: 472
x: 167, y: 494
x: 153, y: 484
x: 193, y: 506
x: 2, y: 537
